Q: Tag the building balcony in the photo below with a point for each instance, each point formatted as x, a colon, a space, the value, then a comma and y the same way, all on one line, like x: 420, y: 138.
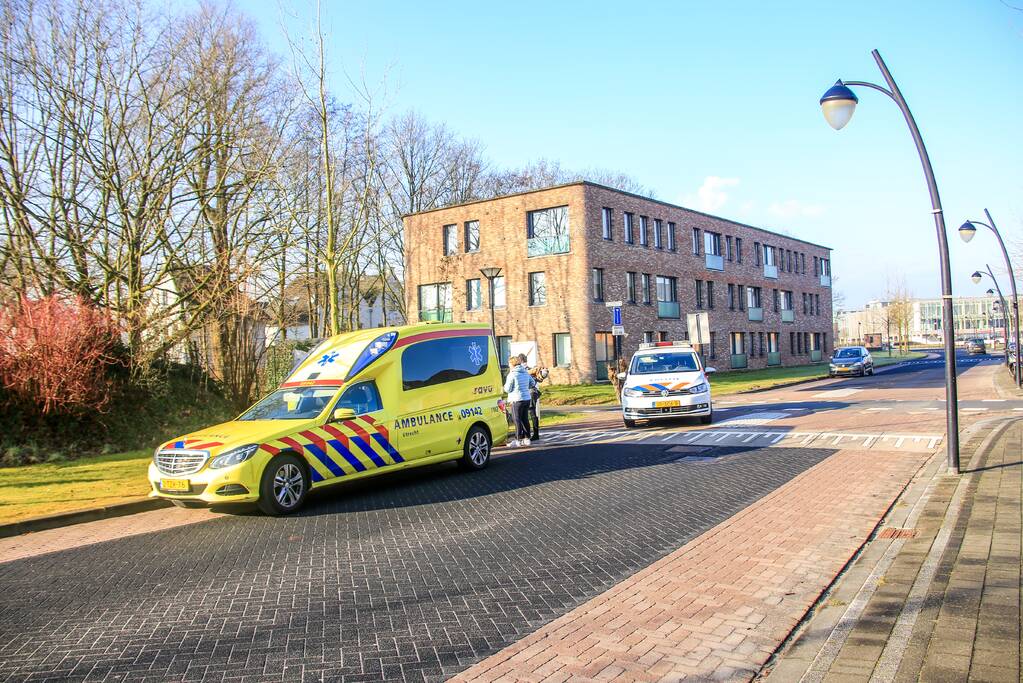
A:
x: 547, y: 245
x: 738, y: 361
x: 714, y: 262
x: 788, y: 315
x: 771, y: 271
x: 825, y: 280
x: 668, y: 309
x: 440, y: 315
x: 773, y: 358
x: 756, y: 314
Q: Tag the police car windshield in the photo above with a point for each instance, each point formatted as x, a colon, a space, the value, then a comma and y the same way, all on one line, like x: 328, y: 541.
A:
x: 301, y: 403
x: 668, y: 361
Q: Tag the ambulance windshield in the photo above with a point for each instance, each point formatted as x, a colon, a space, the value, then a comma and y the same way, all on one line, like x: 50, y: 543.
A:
x: 300, y: 403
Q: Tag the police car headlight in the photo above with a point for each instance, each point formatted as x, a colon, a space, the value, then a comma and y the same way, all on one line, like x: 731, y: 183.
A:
x: 632, y: 392
x: 857, y: 365
x: 234, y: 456
x: 699, y: 388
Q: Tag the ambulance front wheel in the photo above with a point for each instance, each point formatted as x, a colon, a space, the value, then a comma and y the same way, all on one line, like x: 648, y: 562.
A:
x: 284, y: 485
x: 476, y: 452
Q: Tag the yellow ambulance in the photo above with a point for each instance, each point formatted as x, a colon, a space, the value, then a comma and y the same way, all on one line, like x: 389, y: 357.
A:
x: 360, y: 404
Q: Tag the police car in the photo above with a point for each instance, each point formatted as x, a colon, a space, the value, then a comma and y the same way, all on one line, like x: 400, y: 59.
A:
x: 666, y: 380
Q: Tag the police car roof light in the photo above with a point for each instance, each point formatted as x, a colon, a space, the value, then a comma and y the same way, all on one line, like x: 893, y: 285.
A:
x: 654, y: 345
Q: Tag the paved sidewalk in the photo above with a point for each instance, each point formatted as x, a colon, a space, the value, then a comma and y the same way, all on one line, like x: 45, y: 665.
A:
x: 942, y: 603
x: 722, y: 604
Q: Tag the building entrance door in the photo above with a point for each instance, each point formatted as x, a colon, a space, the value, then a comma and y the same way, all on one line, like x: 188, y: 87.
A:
x: 603, y: 353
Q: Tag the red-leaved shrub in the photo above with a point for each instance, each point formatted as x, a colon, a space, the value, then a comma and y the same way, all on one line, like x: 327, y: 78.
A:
x: 54, y: 354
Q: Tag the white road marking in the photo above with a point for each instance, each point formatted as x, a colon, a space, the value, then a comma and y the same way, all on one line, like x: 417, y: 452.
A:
x: 836, y: 393
x: 874, y: 410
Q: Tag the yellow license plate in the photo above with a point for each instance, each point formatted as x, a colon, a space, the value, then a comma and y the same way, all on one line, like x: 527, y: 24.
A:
x: 667, y: 404
x: 175, y: 485
x: 843, y: 369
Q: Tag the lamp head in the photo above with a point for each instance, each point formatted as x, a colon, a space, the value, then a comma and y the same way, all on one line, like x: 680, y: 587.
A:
x: 838, y: 105
x: 991, y: 292
x: 967, y: 230
x: 976, y: 277
x: 490, y: 272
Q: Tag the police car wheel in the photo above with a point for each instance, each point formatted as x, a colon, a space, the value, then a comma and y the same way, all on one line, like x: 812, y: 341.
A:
x: 284, y: 485
x: 707, y: 419
x: 629, y: 424
x: 476, y: 451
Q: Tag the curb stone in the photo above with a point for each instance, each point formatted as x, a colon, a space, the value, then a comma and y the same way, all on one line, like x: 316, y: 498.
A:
x: 80, y: 516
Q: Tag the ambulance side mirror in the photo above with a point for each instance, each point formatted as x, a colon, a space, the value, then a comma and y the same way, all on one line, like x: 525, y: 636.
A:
x: 341, y: 414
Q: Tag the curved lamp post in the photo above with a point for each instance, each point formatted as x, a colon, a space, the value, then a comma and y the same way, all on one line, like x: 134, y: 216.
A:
x: 491, y: 273
x: 967, y: 230
x: 1006, y: 327
x: 838, y: 105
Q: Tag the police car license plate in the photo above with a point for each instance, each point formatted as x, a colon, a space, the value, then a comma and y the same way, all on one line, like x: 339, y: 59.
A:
x: 667, y: 404
x: 175, y: 485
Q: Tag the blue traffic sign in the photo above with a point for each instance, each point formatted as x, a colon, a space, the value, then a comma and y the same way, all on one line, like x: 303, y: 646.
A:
x: 616, y: 315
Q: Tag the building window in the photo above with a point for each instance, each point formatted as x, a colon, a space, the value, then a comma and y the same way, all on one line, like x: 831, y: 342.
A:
x: 816, y: 266
x: 598, y: 284
x: 728, y: 248
x: 731, y: 296
x: 473, y: 295
x: 562, y: 349
x: 756, y: 253
x: 775, y: 302
x: 547, y: 231
x: 627, y: 217
x: 497, y: 292
x: 786, y: 301
x: 802, y: 262
x: 696, y: 241
x: 605, y: 223
x: 450, y: 239
x: 662, y: 336
x: 737, y: 343
x: 699, y: 294
x: 667, y: 297
x: 761, y: 335
x: 503, y: 350
x: 805, y: 306
x: 671, y: 237
x: 646, y: 289
x: 712, y: 243
x: 773, y: 344
x: 825, y: 266
x: 738, y: 250
x: 799, y: 343
x: 817, y: 304
x: 769, y: 256
x: 713, y: 344
x: 472, y: 237
x: 630, y: 285
x: 710, y: 294
x: 792, y: 343
x: 788, y: 261
x: 658, y: 236
x: 742, y: 297
x: 753, y: 297
x: 538, y: 289
x: 435, y: 302
x: 644, y: 231
x: 648, y: 337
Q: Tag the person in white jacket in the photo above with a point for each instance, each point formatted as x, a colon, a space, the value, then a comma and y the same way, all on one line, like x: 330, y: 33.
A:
x: 518, y: 386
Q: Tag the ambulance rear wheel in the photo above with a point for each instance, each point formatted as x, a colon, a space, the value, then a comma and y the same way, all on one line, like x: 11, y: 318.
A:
x: 476, y: 452
x: 284, y: 485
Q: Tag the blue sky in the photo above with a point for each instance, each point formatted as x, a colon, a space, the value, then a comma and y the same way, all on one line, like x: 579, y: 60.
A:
x: 714, y: 106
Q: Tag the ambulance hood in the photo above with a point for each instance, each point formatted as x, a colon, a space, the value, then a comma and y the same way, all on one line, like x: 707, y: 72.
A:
x: 223, y: 437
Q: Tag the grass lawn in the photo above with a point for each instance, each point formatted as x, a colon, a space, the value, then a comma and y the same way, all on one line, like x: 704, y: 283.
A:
x: 49, y: 488
x: 734, y: 382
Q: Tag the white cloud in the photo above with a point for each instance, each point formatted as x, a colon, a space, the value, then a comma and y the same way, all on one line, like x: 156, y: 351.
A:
x: 711, y: 196
x: 793, y: 208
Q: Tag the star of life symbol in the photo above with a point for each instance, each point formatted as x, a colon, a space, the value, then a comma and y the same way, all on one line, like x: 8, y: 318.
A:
x: 476, y: 354
x: 327, y: 358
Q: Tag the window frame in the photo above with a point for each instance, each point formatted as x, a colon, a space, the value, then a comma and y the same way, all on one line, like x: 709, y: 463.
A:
x: 606, y: 225
x: 558, y: 361
x: 534, y: 294
x: 597, y: 279
x: 470, y: 228
x: 628, y: 227
x: 469, y: 292
x: 450, y: 230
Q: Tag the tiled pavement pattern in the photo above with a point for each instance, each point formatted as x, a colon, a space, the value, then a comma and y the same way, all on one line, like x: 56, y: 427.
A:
x: 719, y: 606
x: 76, y: 535
x: 968, y: 624
x: 415, y: 577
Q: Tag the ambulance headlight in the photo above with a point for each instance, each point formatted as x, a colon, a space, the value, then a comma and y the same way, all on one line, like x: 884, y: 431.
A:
x: 234, y: 456
x: 632, y: 392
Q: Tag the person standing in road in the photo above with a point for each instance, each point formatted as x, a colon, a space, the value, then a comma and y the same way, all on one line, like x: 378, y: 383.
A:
x: 518, y: 387
x: 538, y: 374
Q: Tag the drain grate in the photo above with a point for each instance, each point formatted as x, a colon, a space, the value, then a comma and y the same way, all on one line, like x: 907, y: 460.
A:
x: 896, y: 532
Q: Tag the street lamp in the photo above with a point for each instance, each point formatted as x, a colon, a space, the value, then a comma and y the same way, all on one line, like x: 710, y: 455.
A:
x: 1005, y: 309
x: 838, y: 105
x: 967, y: 230
x: 491, y: 273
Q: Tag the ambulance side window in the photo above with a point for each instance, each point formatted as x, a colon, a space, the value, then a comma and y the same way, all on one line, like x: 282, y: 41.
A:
x: 437, y: 361
x: 362, y: 398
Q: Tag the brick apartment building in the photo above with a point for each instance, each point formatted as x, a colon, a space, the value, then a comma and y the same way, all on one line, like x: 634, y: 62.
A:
x: 565, y: 251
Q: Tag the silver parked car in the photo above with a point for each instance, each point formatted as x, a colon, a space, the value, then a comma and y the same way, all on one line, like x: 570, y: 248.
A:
x: 851, y: 360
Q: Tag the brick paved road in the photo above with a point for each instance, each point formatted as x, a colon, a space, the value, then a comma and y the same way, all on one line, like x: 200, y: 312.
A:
x: 415, y: 579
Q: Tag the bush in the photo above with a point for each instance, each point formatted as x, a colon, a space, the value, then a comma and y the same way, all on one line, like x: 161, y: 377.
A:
x: 55, y: 353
